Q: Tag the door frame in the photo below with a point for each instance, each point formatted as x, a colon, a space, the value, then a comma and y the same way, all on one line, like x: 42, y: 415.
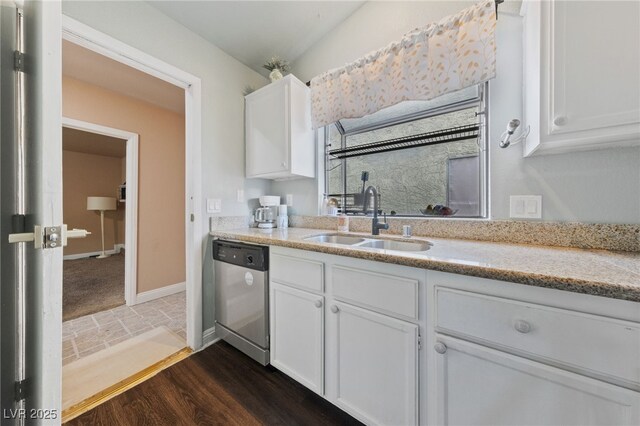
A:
x: 131, y: 209
x: 89, y: 38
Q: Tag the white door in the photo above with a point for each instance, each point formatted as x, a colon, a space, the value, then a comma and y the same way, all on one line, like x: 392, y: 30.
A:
x: 375, y: 373
x: 31, y: 194
x: 297, y: 335
x: 481, y: 386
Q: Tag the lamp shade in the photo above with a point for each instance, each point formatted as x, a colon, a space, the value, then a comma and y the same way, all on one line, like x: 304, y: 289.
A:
x: 101, y: 203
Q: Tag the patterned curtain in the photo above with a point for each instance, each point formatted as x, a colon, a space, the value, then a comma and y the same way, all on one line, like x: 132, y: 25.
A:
x: 457, y: 52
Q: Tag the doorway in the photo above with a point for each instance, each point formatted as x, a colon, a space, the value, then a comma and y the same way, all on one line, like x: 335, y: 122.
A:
x: 126, y: 194
x: 96, y: 41
x: 134, y: 332
x: 94, y: 198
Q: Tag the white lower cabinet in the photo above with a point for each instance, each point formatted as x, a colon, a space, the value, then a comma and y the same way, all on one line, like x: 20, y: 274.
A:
x: 506, y: 354
x: 495, y: 353
x: 375, y: 372
x: 476, y: 385
x: 339, y: 328
x: 297, y: 335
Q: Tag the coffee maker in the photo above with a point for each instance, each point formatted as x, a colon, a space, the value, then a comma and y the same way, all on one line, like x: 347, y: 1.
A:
x: 266, y: 215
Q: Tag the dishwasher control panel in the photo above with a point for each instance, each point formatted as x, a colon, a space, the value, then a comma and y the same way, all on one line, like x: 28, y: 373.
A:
x: 246, y: 255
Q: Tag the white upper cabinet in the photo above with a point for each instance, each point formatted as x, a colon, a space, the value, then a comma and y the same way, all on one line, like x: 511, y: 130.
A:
x: 581, y: 74
x: 279, y: 138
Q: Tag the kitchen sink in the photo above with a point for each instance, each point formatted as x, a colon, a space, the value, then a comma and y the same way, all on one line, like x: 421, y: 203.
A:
x: 395, y: 245
x: 336, y: 239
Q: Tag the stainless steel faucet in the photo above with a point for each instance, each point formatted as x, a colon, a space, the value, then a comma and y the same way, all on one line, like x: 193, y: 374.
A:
x: 375, y: 226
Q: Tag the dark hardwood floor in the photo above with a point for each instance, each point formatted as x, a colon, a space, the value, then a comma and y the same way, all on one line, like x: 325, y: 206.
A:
x: 218, y: 385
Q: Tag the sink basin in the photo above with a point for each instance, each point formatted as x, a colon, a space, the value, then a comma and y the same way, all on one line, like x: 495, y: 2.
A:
x: 397, y: 245
x: 335, y: 239
x: 412, y: 246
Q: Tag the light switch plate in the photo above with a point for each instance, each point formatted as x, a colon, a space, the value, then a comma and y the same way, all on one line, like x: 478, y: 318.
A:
x: 240, y: 195
x: 290, y: 200
x: 525, y: 206
x: 214, y: 205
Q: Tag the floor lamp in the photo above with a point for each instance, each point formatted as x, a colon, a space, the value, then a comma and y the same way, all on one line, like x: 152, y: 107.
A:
x: 101, y: 204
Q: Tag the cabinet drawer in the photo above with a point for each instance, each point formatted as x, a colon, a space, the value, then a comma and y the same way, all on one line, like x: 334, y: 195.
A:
x: 297, y: 272
x: 386, y: 293
x: 601, y: 347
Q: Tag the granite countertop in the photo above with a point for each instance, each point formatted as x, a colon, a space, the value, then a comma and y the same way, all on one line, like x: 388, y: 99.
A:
x: 596, y: 272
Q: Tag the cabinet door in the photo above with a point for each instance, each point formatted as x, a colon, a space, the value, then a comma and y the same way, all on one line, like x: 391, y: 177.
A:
x: 602, y: 66
x: 297, y: 335
x: 375, y: 371
x: 481, y: 386
x: 267, y: 135
x: 582, y: 61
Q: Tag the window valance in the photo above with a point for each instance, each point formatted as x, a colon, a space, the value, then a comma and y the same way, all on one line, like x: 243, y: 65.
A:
x: 457, y: 52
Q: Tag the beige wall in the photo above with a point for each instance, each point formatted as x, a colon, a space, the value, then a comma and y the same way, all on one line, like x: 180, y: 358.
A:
x: 161, y: 199
x: 86, y: 175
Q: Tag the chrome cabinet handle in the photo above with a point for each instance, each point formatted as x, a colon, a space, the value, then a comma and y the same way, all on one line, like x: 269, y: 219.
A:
x: 440, y: 347
x: 522, y: 326
x: 318, y: 303
x: 334, y: 309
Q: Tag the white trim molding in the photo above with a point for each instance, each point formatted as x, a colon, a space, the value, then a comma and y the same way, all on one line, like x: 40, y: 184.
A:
x: 89, y: 38
x: 209, y: 337
x: 117, y: 248
x: 157, y: 293
x: 131, y: 209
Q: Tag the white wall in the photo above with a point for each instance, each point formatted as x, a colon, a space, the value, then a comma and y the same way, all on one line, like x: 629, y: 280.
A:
x: 596, y: 186
x: 223, y: 82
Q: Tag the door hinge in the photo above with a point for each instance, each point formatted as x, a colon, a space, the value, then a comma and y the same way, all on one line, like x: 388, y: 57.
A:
x: 20, y: 390
x: 18, y: 61
x: 419, y: 341
x: 18, y: 223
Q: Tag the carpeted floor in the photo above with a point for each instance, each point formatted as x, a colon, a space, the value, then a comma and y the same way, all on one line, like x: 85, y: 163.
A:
x: 92, y: 285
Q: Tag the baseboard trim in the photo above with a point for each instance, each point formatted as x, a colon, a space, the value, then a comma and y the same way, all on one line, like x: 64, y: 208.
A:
x: 116, y: 249
x: 147, y: 296
x: 209, y: 337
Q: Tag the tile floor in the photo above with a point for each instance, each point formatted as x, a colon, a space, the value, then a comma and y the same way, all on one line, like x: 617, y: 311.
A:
x: 91, y: 333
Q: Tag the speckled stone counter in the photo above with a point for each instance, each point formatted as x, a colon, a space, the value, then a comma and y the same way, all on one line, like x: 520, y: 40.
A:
x: 595, y: 272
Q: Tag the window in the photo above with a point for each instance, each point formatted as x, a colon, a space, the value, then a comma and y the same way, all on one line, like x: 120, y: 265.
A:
x: 426, y: 158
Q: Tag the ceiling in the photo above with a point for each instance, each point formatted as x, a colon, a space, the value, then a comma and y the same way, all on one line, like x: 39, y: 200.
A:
x: 254, y: 31
x: 92, y: 143
x: 88, y: 66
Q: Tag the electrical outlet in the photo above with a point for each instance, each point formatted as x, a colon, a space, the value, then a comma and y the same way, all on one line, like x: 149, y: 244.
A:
x: 214, y: 205
x: 525, y: 206
x: 290, y: 200
x: 240, y: 195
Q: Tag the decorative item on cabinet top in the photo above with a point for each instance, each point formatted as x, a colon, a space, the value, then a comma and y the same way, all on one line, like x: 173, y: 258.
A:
x: 277, y: 67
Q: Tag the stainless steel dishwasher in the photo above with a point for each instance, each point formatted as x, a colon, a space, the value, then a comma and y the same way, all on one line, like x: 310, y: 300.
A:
x: 242, y: 297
